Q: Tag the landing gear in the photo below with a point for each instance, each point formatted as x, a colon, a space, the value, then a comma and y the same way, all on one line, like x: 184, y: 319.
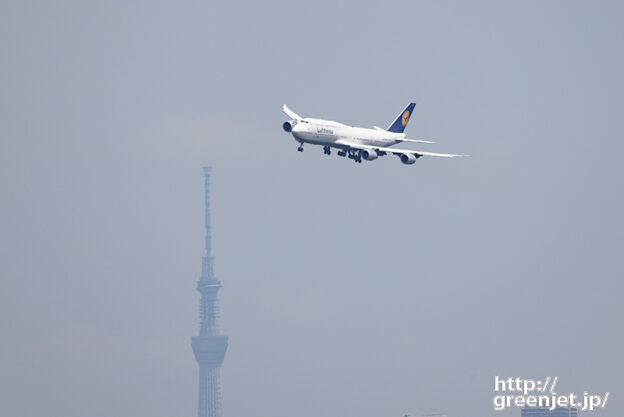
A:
x: 356, y: 155
x: 326, y: 150
x: 342, y: 153
x: 300, y: 148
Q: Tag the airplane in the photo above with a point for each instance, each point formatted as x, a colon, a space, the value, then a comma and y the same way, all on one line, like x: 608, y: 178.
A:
x: 357, y: 142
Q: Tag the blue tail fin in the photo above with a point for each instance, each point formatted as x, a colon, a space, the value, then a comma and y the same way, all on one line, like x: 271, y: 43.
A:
x: 398, y: 126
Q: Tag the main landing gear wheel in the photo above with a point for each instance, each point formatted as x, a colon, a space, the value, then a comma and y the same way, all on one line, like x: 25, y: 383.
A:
x: 326, y: 150
x: 356, y: 156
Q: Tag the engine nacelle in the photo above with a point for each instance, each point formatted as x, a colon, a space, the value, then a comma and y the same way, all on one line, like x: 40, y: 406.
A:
x: 288, y: 125
x: 408, y: 158
x: 369, y: 154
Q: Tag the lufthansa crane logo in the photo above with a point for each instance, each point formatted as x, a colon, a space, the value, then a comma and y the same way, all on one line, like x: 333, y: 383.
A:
x: 405, y: 118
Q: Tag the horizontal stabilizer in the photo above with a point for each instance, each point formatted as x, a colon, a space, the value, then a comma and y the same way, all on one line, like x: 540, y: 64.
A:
x: 415, y: 140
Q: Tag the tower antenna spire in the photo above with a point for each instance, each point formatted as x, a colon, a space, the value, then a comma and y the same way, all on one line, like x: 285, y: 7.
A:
x: 207, y: 171
x: 210, y: 346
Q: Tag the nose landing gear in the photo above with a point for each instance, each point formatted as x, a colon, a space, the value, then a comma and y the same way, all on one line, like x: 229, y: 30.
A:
x: 300, y: 148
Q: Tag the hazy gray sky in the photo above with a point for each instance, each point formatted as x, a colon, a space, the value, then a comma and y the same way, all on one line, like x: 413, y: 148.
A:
x: 371, y: 289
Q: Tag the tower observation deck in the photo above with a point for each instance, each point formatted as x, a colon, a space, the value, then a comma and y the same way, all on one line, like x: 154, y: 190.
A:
x: 210, y: 346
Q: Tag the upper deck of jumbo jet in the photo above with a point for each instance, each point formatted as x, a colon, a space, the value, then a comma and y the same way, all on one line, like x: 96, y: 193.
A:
x: 324, y: 122
x: 339, y: 128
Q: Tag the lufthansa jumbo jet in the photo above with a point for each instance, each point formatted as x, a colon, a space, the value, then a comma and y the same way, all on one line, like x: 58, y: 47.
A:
x: 357, y: 142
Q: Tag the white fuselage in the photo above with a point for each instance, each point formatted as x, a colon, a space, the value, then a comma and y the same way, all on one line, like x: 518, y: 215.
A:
x: 338, y: 135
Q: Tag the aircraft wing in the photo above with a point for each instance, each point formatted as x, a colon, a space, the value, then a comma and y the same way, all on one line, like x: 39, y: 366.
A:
x: 291, y: 113
x: 396, y: 151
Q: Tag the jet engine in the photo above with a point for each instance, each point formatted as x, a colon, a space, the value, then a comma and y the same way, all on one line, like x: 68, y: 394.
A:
x: 408, y: 158
x: 288, y: 125
x: 369, y: 154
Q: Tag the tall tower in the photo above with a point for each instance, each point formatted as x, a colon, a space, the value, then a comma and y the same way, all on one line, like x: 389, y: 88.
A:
x: 209, y: 347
